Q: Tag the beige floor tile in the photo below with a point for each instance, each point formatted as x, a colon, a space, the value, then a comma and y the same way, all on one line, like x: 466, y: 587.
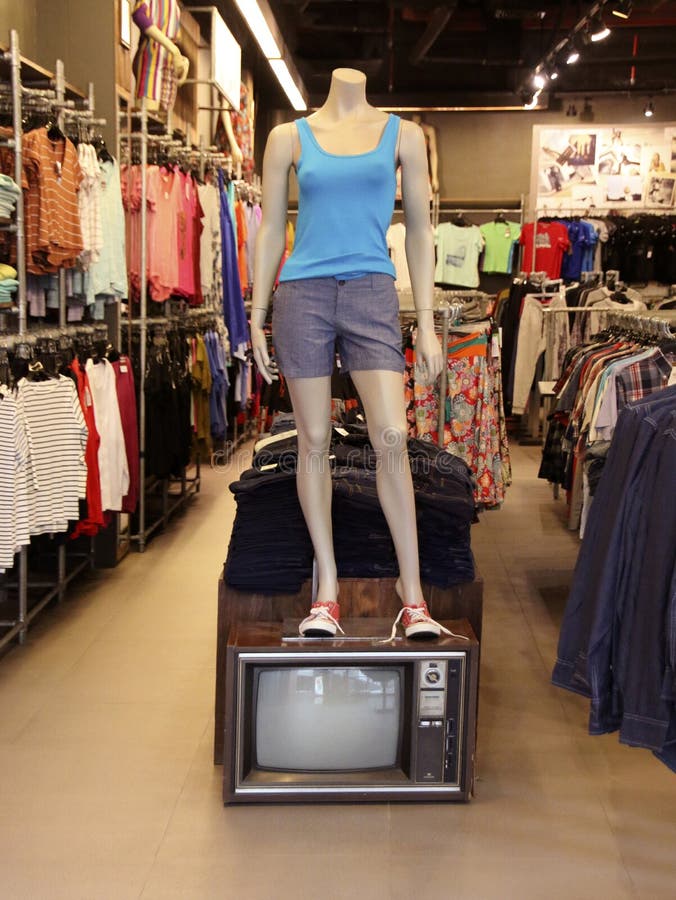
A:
x: 75, y: 879
x: 262, y: 876
x: 106, y: 733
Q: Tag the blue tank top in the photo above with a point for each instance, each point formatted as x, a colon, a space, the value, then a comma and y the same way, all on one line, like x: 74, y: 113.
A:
x: 345, y: 207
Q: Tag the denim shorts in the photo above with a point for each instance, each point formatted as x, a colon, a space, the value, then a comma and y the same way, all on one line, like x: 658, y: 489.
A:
x: 311, y: 316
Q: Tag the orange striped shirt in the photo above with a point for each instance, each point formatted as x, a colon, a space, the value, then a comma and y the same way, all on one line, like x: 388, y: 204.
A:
x: 52, y: 179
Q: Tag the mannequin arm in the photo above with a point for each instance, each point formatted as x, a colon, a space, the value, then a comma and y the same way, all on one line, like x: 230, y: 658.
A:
x: 271, y: 237
x: 419, y: 242
x: 237, y: 155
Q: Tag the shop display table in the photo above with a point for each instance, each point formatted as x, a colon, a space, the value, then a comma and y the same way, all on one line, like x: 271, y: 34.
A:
x: 359, y: 597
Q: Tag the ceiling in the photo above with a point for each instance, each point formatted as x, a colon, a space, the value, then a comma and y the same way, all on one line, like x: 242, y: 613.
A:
x: 473, y: 52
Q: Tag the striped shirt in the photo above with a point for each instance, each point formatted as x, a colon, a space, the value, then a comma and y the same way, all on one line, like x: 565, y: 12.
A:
x: 57, y: 438
x: 52, y: 181
x: 14, y: 531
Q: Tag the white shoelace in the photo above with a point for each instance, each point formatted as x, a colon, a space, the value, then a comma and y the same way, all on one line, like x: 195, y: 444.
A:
x: 418, y: 614
x: 322, y: 612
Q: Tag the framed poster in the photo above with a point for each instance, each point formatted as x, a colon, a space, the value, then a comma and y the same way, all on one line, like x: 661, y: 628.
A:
x: 604, y: 167
x: 125, y: 23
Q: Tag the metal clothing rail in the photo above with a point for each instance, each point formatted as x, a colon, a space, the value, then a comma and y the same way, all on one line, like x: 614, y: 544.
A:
x: 189, y: 486
x: 56, y: 100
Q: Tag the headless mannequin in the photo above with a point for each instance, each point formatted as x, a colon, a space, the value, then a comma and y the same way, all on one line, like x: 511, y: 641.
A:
x: 433, y: 159
x: 346, y: 125
x: 152, y: 32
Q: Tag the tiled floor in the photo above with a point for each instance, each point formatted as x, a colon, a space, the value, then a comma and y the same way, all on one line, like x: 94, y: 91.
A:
x: 107, y: 788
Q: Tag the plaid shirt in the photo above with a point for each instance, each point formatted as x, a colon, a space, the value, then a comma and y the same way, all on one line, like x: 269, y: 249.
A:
x: 642, y: 377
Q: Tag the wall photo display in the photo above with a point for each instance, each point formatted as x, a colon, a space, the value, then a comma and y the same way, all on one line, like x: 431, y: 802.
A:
x: 576, y: 169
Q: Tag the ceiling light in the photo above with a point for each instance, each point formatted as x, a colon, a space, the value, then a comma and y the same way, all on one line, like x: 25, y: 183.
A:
x: 281, y: 70
x: 572, y: 54
x: 539, y: 80
x: 622, y: 9
x: 553, y: 73
x: 598, y: 30
x: 649, y: 110
x: 530, y: 99
x: 259, y: 27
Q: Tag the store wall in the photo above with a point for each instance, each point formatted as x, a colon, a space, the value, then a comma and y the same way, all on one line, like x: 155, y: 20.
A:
x: 487, y: 156
x: 79, y: 32
x: 23, y: 16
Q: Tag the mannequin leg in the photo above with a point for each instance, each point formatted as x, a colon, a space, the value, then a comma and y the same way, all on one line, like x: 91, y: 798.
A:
x: 311, y: 399
x: 382, y: 394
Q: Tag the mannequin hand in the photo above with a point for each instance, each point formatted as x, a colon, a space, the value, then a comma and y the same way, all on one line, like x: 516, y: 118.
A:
x: 259, y: 346
x: 236, y: 153
x: 429, y: 358
x: 181, y: 67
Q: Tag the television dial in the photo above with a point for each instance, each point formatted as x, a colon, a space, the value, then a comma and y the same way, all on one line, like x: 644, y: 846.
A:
x: 433, y: 676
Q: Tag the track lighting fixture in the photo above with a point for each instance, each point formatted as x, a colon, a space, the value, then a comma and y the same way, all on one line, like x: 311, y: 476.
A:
x: 571, y: 111
x: 539, y: 80
x: 572, y: 52
x: 598, y: 30
x: 649, y: 110
x: 621, y: 9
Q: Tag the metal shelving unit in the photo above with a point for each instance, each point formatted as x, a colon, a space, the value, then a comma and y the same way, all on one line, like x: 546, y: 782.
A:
x: 22, y: 583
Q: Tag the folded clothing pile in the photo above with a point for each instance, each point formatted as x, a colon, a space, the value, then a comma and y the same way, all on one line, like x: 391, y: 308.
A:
x: 8, y: 285
x: 9, y: 192
x: 270, y: 548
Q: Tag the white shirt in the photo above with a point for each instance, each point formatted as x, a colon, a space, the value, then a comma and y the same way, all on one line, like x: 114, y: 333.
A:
x: 396, y: 244
x: 112, y: 456
x: 458, y: 251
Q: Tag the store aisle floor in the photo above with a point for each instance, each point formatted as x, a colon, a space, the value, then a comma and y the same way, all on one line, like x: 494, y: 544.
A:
x: 108, y: 790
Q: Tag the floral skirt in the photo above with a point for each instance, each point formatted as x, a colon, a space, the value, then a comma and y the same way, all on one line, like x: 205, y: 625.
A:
x: 474, y: 421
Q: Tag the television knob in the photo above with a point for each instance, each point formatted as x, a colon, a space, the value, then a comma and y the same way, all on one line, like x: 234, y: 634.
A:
x: 433, y: 676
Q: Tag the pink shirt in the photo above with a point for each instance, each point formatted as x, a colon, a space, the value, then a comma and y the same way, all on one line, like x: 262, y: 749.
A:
x: 164, y: 190
x: 185, y: 235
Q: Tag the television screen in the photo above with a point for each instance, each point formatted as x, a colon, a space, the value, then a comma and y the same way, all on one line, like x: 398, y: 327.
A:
x: 328, y: 719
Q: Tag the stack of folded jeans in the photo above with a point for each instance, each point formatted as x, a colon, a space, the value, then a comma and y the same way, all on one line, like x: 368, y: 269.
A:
x: 270, y: 548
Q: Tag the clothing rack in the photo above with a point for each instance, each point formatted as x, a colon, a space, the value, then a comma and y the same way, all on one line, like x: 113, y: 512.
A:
x: 171, y: 501
x: 500, y: 208
x: 53, y: 100
x: 144, y: 138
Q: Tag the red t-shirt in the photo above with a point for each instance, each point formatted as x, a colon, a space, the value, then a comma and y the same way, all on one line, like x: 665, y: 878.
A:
x: 551, y: 242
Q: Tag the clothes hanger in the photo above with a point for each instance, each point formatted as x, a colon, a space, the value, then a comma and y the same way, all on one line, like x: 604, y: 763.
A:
x: 54, y: 133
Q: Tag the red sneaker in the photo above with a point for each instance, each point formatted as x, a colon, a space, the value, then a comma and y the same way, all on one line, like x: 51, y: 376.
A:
x: 418, y: 623
x: 323, y: 621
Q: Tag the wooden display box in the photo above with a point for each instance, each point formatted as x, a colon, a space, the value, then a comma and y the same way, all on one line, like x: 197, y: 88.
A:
x: 359, y: 597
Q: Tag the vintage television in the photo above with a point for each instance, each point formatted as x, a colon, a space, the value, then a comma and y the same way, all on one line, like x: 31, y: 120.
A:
x: 350, y: 719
